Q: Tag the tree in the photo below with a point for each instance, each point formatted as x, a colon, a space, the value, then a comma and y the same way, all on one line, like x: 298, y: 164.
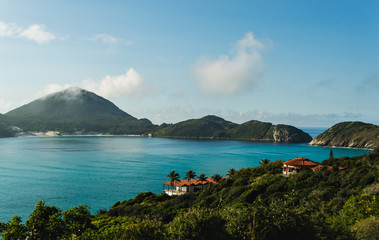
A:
x: 216, y: 177
x: 199, y: 224
x: 12, y: 229
x: 174, y: 176
x: 77, y: 220
x: 190, y: 175
x: 231, y: 172
x: 331, y: 154
x: 202, y: 179
x: 45, y: 222
x: 264, y: 161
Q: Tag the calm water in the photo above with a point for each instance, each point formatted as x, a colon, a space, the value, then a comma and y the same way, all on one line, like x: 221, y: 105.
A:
x: 99, y: 171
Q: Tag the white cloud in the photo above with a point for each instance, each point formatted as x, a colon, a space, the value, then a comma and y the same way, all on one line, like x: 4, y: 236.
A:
x: 249, y: 41
x: 9, y: 29
x: 229, y: 75
x: 105, y: 38
x: 110, y: 40
x: 129, y: 84
x: 52, y: 88
x: 35, y: 32
x: 38, y: 34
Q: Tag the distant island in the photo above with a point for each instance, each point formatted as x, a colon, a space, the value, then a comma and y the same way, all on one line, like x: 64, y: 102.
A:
x: 349, y: 134
x: 213, y: 127
x: 80, y: 112
x: 76, y: 110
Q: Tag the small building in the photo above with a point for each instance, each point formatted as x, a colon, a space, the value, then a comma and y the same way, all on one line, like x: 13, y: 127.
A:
x: 298, y: 165
x: 186, y: 186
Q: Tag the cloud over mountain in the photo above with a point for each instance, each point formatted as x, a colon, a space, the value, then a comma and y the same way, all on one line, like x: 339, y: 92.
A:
x: 233, y: 73
x: 129, y: 84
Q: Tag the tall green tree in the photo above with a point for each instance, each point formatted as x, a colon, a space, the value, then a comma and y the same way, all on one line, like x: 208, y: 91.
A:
x: 231, y: 172
x: 77, y: 220
x: 190, y: 174
x: 45, y: 222
x: 331, y: 154
x: 216, y: 177
x: 202, y: 179
x: 264, y: 161
x: 173, y: 176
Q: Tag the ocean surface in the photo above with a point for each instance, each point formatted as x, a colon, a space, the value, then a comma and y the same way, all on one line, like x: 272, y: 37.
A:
x: 99, y: 171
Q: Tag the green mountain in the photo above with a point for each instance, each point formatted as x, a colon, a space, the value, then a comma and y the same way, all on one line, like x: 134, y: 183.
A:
x: 78, y: 110
x: 75, y: 109
x: 5, y: 127
x: 349, y: 134
x: 213, y: 127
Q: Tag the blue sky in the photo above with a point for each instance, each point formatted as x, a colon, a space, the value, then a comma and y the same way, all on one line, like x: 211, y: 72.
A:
x: 304, y: 63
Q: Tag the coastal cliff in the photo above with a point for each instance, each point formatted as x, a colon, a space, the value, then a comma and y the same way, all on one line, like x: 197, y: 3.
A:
x: 349, y: 134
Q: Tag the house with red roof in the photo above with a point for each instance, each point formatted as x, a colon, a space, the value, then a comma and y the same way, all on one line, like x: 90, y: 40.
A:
x: 186, y: 186
x: 297, y: 165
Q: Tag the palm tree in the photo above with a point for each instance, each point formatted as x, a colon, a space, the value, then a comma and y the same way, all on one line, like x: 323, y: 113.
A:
x: 231, y: 172
x: 190, y: 175
x: 173, y: 176
x: 264, y: 161
x: 217, y: 178
x: 202, y: 179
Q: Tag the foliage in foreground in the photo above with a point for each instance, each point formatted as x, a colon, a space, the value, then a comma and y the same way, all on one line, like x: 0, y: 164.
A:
x: 254, y: 203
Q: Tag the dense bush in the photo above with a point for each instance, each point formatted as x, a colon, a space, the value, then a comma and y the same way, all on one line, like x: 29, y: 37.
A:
x: 256, y: 203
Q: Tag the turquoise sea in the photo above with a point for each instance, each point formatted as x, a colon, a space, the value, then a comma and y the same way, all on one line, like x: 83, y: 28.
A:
x: 99, y: 171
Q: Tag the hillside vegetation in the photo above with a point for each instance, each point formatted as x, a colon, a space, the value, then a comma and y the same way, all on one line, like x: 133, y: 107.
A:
x: 73, y: 110
x: 5, y: 130
x: 254, y: 203
x: 77, y: 110
x: 213, y: 127
x: 349, y: 134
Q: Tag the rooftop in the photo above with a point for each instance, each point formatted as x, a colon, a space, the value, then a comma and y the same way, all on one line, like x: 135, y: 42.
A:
x: 300, y: 161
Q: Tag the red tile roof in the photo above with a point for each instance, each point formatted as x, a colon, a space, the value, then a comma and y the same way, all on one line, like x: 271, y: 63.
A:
x: 300, y: 161
x: 194, y: 182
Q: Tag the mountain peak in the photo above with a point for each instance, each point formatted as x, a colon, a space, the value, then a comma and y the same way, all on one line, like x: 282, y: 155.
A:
x: 74, y: 90
x: 213, y: 118
x: 69, y: 94
x: 70, y: 105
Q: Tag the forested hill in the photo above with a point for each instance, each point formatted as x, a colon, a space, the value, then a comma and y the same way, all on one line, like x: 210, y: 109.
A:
x: 254, y: 203
x: 349, y: 134
x: 75, y: 109
x: 213, y: 127
x: 78, y: 110
x: 5, y: 129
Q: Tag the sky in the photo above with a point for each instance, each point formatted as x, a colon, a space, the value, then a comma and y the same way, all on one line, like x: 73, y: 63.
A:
x: 303, y: 63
